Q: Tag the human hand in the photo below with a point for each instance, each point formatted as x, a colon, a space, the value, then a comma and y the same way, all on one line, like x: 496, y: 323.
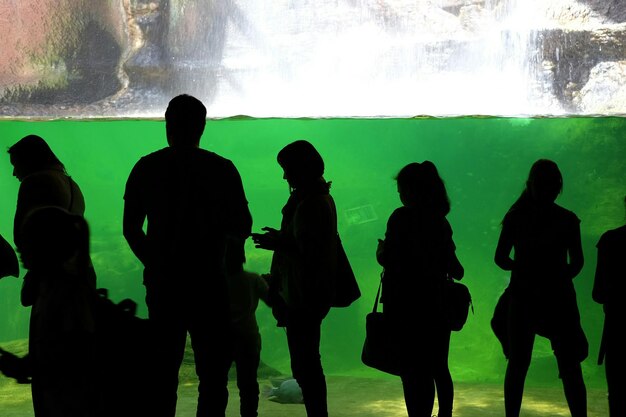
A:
x: 268, y: 240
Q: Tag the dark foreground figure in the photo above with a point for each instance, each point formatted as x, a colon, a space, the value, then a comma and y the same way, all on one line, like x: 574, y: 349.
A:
x: 541, y: 299
x: 419, y: 255
x: 303, y: 267
x: 194, y: 202
x: 609, y: 287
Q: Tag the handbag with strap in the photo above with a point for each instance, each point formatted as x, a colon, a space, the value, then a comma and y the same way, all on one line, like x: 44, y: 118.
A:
x: 380, y: 349
x: 346, y: 287
x: 458, y: 302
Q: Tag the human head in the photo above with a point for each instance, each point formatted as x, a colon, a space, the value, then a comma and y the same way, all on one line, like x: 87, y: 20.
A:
x: 301, y: 163
x: 31, y: 154
x: 420, y: 185
x: 52, y: 235
x: 185, y: 119
x: 545, y: 182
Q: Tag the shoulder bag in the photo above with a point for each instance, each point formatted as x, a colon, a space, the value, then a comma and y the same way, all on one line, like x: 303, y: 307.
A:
x: 379, y: 349
x: 458, y: 301
x: 346, y: 287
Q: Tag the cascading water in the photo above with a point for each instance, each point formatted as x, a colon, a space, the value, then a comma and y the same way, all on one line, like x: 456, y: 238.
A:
x: 328, y: 58
x: 377, y: 58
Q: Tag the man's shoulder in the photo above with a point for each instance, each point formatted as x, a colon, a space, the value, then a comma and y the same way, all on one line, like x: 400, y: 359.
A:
x: 153, y: 157
x: 167, y: 155
x: 614, y: 237
x: 213, y: 157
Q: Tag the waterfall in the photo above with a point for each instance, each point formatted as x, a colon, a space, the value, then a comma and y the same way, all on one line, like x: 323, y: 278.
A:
x: 370, y: 58
x: 322, y: 58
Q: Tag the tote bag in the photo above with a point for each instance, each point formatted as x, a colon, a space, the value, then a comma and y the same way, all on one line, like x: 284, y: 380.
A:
x: 380, y: 351
x: 346, y: 286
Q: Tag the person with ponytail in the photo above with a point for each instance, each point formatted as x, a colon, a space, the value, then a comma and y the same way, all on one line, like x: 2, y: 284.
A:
x: 418, y: 255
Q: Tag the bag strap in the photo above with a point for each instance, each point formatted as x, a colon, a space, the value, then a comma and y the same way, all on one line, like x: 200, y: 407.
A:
x: 380, y: 284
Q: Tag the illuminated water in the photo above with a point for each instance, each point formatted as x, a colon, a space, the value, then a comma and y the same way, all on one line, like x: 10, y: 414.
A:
x: 484, y: 162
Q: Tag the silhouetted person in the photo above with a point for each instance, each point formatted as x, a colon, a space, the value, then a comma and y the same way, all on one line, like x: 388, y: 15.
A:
x: 245, y: 290
x: 303, y: 267
x: 419, y: 254
x: 44, y: 181
x: 193, y: 201
x: 54, y: 247
x: 608, y: 289
x: 545, y: 238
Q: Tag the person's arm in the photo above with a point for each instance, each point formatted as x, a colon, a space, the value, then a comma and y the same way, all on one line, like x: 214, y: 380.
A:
x: 600, y: 290
x: 455, y: 268
x: 575, y: 252
x: 134, y: 234
x: 35, y: 191
x: 237, y: 213
x: 390, y: 250
x: 134, y: 218
x: 502, y: 257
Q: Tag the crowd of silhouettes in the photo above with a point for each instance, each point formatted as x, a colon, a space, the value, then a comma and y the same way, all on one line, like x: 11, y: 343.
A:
x: 197, y: 221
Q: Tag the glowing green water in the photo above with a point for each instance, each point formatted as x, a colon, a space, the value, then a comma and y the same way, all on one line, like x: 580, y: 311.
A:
x: 484, y: 162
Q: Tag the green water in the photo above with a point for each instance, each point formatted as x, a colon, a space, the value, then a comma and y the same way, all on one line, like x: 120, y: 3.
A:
x: 484, y: 162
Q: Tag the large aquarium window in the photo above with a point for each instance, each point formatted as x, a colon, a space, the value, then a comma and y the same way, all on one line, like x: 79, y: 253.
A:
x: 482, y: 88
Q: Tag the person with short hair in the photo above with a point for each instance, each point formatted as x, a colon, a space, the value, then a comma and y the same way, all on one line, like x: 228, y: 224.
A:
x: 609, y: 288
x: 193, y: 201
x: 303, y: 267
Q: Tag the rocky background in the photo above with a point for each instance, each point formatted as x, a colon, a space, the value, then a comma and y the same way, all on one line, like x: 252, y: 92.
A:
x: 124, y: 58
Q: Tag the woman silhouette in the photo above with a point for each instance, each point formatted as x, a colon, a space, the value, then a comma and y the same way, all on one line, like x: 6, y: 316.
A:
x: 418, y: 255
x: 548, y: 255
x: 303, y: 267
x: 43, y: 182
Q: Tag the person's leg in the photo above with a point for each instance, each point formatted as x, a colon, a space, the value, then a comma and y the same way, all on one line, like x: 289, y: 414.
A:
x: 419, y: 393
x: 573, y: 385
x: 615, y: 368
x: 443, y: 379
x: 170, y: 332
x: 521, y: 348
x: 247, y: 360
x: 212, y: 347
x: 303, y: 338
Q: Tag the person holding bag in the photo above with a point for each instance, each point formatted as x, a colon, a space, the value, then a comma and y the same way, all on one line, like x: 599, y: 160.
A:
x: 418, y: 256
x: 304, y: 267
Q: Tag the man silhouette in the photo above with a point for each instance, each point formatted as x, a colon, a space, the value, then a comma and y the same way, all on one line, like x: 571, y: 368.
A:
x: 194, y: 204
x: 608, y: 290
